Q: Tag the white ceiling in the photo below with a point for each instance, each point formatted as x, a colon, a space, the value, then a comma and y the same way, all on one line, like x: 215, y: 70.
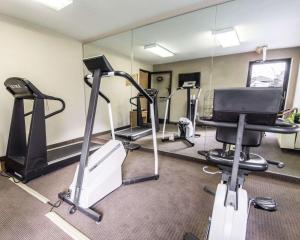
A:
x: 88, y: 19
x: 275, y: 23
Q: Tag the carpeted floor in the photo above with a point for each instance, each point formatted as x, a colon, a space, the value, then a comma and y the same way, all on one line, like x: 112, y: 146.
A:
x: 162, y: 209
x: 22, y: 216
x: 269, y: 148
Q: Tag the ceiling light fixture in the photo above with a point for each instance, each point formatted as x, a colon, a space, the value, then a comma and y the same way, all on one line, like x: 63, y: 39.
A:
x: 158, y: 50
x: 55, y: 4
x: 227, y: 37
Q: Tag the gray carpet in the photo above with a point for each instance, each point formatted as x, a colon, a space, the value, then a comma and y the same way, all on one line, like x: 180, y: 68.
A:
x: 22, y: 216
x: 163, y: 209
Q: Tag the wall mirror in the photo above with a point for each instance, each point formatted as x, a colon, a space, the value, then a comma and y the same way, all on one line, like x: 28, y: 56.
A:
x: 211, y: 48
x: 264, y: 52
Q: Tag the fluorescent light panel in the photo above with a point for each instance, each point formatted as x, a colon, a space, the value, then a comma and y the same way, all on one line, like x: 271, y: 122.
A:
x: 227, y: 37
x: 158, y: 50
x: 55, y: 4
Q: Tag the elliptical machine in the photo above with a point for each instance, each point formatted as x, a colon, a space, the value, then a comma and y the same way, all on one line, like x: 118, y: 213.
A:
x: 186, y: 125
x: 240, y: 121
x: 100, y: 173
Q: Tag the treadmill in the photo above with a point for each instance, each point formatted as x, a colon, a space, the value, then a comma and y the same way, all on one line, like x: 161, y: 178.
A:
x: 142, y: 129
x: 27, y: 157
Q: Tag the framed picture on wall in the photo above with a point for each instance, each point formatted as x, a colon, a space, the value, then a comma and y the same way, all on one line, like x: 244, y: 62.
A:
x: 270, y: 73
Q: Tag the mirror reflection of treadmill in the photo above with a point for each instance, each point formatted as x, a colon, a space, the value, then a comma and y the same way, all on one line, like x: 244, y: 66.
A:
x: 142, y: 129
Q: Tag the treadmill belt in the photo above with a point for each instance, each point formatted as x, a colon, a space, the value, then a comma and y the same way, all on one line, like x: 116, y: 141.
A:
x: 134, y: 133
x: 66, y: 151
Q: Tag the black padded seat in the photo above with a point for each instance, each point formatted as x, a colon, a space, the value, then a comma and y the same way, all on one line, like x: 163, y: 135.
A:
x: 228, y: 136
x: 254, y: 163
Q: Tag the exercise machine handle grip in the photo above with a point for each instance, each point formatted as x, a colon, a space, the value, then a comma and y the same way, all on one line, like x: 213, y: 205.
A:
x: 86, y: 80
x: 286, y: 128
x: 135, y: 84
x: 55, y: 112
x: 132, y: 103
x: 63, y: 106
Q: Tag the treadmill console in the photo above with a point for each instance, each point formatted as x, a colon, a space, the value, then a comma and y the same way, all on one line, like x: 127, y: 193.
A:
x: 19, y: 87
x: 189, y: 80
x: 151, y: 92
x: 99, y: 62
x: 189, y: 84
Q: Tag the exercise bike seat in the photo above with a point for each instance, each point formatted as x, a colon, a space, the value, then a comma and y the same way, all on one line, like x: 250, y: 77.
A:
x: 253, y: 163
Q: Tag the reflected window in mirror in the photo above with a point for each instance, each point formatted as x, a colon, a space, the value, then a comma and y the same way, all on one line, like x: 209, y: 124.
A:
x: 270, y: 73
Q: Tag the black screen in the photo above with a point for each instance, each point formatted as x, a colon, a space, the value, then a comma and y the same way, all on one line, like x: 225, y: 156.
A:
x: 189, y: 77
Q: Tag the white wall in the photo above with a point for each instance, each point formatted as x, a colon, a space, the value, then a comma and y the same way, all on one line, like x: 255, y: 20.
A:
x: 54, y: 64
x: 114, y: 87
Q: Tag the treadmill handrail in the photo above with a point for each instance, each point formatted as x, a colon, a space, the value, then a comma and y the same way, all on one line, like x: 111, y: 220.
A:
x: 55, y: 112
x: 86, y: 80
x: 134, y: 83
x: 284, y: 129
x: 132, y: 103
x: 63, y: 105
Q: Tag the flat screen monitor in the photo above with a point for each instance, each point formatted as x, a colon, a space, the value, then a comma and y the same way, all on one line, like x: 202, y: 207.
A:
x: 189, y: 80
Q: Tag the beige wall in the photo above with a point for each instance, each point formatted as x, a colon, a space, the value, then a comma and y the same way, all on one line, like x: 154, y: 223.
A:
x: 225, y: 71
x: 53, y: 63
x: 115, y: 88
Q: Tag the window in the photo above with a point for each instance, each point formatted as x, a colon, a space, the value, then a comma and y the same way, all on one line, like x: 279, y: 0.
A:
x: 270, y: 73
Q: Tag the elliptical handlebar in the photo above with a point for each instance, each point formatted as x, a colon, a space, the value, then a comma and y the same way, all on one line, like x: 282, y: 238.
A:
x: 286, y: 128
x: 86, y: 80
x: 55, y: 112
x: 134, y: 83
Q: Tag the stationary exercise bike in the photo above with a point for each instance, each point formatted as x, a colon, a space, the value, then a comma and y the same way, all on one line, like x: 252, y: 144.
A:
x: 240, y: 121
x: 100, y: 173
x: 186, y: 125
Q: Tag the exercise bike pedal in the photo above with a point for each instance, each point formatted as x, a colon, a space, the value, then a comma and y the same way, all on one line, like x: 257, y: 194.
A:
x: 73, y: 209
x: 265, y: 203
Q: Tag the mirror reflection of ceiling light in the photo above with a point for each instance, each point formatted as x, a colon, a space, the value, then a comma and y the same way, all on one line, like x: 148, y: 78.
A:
x: 55, y: 4
x: 227, y: 37
x: 158, y: 50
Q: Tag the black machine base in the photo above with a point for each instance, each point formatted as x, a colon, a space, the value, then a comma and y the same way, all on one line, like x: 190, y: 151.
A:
x: 189, y: 236
x: 131, y: 146
x: 57, y: 158
x: 140, y: 179
x: 94, y: 215
x: 177, y: 138
x: 203, y: 153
